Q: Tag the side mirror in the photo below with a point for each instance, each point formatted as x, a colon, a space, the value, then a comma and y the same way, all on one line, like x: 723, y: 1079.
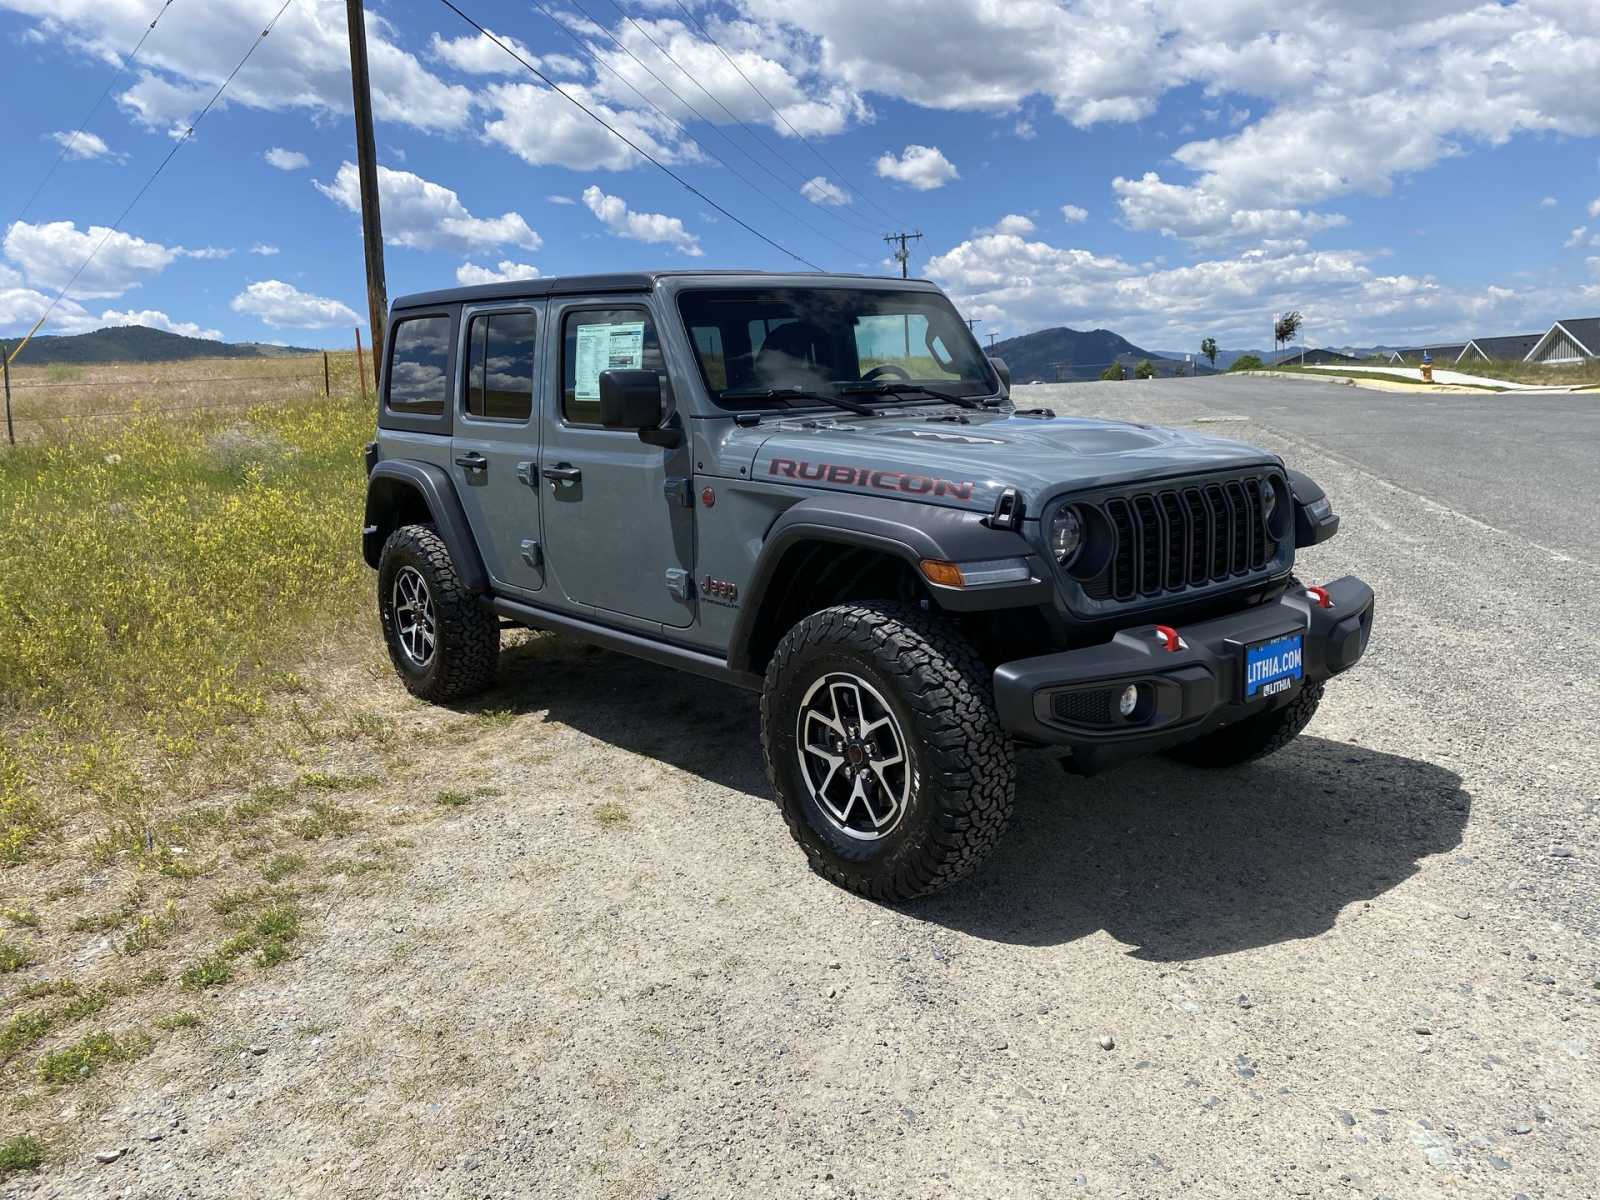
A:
x: 630, y: 400
x: 1000, y: 369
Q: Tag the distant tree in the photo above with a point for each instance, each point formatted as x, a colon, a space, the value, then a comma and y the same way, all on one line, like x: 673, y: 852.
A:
x: 1115, y: 371
x: 1209, y: 348
x: 1246, y: 362
x: 1145, y: 370
x: 1288, y: 325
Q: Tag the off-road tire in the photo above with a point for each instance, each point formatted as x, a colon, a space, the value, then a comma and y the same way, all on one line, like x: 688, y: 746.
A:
x: 963, y: 771
x: 466, y: 652
x: 1254, y: 737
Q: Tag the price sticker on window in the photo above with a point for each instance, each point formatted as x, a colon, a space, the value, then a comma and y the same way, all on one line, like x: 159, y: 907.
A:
x: 606, y: 348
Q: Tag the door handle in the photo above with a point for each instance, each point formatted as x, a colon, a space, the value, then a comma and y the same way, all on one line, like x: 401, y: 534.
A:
x: 472, y: 461
x: 562, y: 474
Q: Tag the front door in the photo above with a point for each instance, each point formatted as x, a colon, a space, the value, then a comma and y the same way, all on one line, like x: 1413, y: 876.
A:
x: 495, y: 450
x: 620, y: 540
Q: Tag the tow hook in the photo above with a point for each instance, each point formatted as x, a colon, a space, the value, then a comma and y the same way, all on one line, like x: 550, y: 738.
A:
x: 1169, y: 639
x: 1320, y: 595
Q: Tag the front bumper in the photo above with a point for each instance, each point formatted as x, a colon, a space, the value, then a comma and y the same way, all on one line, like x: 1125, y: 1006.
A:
x: 1068, y: 699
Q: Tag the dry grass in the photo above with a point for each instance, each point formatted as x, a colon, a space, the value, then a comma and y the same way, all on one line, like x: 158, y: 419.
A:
x: 1521, y: 372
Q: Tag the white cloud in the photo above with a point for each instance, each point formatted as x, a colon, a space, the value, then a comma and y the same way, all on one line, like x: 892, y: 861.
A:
x: 1007, y: 279
x: 282, y: 304
x: 154, y: 319
x: 1012, y: 223
x: 425, y: 216
x: 822, y: 190
x: 554, y: 199
x: 1071, y: 213
x: 1594, y: 208
x: 1548, y: 202
x: 286, y: 160
x: 1575, y: 238
x: 543, y: 129
x: 265, y: 249
x: 468, y: 274
x: 1184, y: 211
x: 207, y: 253
x: 81, y: 145
x: 49, y: 254
x: 656, y: 228
x: 920, y: 167
x: 476, y: 54
x: 304, y: 65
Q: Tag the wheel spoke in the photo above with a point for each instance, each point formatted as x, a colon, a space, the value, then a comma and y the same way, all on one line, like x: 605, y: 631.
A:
x: 853, y: 756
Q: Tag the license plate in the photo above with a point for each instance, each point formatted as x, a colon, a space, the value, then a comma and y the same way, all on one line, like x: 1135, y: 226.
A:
x: 1273, y: 667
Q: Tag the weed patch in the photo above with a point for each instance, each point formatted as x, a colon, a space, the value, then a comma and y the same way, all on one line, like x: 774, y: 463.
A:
x: 610, y: 814
x: 12, y: 958
x: 84, y: 1058
x: 326, y: 819
x: 21, y: 918
x: 20, y: 1153
x: 281, y: 866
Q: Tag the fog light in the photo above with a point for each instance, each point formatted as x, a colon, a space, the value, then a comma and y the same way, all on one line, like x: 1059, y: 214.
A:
x: 1129, y: 701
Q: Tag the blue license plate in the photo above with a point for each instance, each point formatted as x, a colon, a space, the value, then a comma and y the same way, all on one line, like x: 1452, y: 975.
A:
x: 1273, y: 667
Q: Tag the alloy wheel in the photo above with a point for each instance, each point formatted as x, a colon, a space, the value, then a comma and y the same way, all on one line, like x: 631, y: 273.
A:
x: 853, y: 756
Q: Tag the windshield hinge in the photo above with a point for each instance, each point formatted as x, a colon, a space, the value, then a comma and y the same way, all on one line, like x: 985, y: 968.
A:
x: 1008, y: 511
x: 679, y: 491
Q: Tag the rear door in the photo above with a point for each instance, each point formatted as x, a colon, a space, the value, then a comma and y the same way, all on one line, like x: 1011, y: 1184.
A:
x: 495, y: 449
x: 620, y: 538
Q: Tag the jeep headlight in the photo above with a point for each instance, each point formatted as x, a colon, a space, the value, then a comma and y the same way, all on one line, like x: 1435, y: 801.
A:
x: 1269, y: 502
x: 1066, y: 535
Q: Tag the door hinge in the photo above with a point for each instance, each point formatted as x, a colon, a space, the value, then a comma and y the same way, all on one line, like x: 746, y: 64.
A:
x: 679, y: 491
x: 525, y: 474
x: 678, y: 583
x: 533, y: 554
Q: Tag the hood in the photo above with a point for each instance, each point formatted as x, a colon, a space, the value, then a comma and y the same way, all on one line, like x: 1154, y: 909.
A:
x: 969, y: 465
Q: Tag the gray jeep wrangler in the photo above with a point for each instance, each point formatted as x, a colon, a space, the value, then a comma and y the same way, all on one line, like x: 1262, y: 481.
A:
x: 817, y: 488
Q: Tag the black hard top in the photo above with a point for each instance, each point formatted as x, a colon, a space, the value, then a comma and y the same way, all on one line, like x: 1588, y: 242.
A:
x: 634, y: 281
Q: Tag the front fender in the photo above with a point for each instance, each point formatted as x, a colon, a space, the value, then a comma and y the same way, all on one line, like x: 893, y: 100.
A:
x: 902, y: 529
x: 393, y: 487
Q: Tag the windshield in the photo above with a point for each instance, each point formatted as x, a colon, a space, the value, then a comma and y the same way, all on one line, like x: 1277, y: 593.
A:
x: 824, y: 339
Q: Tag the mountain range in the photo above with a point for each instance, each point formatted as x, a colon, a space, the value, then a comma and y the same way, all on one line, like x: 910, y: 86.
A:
x: 139, y: 343
x: 1070, y: 355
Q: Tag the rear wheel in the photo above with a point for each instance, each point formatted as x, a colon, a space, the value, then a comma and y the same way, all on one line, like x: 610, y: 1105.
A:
x: 444, y: 645
x: 1254, y: 737
x: 881, y: 740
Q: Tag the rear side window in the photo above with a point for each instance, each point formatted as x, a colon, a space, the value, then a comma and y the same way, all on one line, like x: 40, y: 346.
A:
x: 500, y: 371
x: 418, y: 365
x: 596, y: 340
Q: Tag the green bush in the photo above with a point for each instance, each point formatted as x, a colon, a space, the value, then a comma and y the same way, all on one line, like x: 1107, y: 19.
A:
x: 1145, y: 370
x: 1247, y: 362
x: 1114, y: 371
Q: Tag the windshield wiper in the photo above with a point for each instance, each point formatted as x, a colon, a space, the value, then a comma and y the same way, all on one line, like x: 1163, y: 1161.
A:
x: 799, y: 393
x: 905, y: 389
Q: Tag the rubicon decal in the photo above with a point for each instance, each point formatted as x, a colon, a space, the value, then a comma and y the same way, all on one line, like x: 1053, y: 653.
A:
x: 870, y: 477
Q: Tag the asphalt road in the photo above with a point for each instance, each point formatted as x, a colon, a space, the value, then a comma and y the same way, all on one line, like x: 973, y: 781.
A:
x: 1526, y: 464
x: 1367, y: 966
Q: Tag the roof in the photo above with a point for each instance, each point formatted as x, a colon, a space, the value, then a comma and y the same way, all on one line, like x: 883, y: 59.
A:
x: 1511, y: 346
x: 630, y: 281
x: 1586, y: 330
x: 1451, y: 351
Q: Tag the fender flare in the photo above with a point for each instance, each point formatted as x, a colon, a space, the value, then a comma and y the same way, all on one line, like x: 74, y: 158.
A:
x: 903, y: 529
x: 1309, y: 530
x: 393, y: 476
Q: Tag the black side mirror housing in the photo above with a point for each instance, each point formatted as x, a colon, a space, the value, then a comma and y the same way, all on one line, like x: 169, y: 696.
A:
x: 1003, y: 371
x: 630, y: 400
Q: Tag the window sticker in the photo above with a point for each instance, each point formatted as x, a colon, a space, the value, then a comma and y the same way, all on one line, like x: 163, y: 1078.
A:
x: 606, y: 348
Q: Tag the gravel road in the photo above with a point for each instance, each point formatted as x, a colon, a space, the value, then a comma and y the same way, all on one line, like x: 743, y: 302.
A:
x: 1366, y: 967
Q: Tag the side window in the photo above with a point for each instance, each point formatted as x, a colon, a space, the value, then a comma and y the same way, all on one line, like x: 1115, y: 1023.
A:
x: 500, y: 366
x: 595, y: 340
x: 418, y: 382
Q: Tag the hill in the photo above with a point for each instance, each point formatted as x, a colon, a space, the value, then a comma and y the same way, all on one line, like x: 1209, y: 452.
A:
x: 1033, y: 357
x: 138, y: 343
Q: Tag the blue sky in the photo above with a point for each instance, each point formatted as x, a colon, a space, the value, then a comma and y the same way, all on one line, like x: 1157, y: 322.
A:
x: 1168, y: 170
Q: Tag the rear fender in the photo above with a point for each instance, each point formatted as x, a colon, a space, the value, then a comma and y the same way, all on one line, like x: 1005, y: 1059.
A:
x: 399, y: 492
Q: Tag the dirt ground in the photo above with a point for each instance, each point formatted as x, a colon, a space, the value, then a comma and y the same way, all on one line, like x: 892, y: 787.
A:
x: 1365, y: 967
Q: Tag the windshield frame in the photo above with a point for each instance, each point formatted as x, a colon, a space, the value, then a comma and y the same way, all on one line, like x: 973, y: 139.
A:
x: 872, y: 292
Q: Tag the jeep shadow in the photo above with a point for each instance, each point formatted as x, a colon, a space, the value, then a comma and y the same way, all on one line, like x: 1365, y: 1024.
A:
x: 1178, y: 862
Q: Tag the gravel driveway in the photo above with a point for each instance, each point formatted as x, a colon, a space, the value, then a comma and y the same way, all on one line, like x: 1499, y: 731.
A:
x: 1365, y: 967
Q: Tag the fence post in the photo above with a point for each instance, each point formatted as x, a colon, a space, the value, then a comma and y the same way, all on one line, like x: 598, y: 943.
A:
x: 327, y: 386
x: 361, y: 369
x: 5, y: 359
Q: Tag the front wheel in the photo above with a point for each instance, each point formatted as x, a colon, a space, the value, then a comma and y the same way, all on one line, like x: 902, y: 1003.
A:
x: 881, y: 740
x: 1254, y: 737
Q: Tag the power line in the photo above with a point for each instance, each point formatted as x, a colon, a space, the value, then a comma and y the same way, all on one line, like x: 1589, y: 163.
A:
x: 779, y: 114
x: 849, y: 219
x: 66, y: 146
x: 627, y: 141
x: 679, y: 125
x: 162, y: 166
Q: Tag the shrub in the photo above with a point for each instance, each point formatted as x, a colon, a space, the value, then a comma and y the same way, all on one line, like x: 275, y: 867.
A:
x: 1247, y: 362
x: 1145, y: 370
x: 1114, y: 371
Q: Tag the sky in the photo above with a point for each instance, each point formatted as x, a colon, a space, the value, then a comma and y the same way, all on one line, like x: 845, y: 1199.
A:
x: 1169, y: 169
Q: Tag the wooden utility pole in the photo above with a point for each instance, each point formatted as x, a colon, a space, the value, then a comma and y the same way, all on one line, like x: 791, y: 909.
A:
x: 367, y: 159
x: 361, y: 370
x: 903, y: 255
x: 5, y: 365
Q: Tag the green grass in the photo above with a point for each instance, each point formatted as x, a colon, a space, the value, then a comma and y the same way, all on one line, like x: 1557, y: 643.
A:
x: 610, y: 814
x: 88, y: 1054
x: 281, y: 866
x: 178, y: 1020
x: 22, y: 918
x: 13, y: 958
x: 1586, y: 373
x: 1357, y: 373
x: 20, y: 1153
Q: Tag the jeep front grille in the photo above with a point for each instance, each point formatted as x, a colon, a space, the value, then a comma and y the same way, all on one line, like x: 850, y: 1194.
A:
x: 1183, y: 537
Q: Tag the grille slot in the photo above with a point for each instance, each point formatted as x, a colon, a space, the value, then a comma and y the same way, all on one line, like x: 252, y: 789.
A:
x: 1095, y: 706
x: 1183, y: 537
